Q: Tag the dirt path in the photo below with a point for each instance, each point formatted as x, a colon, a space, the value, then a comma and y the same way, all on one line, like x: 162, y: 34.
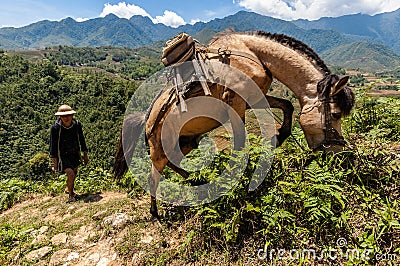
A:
x: 90, y: 231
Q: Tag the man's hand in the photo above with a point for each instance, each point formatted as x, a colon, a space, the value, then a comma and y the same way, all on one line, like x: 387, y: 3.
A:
x: 55, y: 164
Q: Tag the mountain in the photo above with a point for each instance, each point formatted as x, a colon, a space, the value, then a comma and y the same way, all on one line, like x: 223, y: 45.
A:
x: 140, y: 31
x: 246, y: 21
x: 108, y: 31
x: 338, y: 39
x: 382, y: 28
x: 362, y: 55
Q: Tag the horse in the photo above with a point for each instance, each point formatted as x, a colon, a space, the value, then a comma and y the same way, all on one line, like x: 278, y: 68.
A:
x: 324, y: 99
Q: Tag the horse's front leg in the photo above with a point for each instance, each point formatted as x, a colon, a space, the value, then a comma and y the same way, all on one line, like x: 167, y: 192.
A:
x: 287, y: 108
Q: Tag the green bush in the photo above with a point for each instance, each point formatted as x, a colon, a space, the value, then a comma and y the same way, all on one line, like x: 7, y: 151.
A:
x: 39, y: 166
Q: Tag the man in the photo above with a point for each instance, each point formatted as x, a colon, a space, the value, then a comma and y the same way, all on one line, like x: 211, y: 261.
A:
x: 66, y: 144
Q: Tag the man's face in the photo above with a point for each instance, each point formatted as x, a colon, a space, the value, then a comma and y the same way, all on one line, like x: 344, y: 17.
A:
x: 66, y: 119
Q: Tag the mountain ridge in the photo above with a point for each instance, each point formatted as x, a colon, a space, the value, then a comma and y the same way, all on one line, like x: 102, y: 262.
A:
x: 362, y: 55
x: 326, y: 35
x: 140, y: 31
x: 381, y: 28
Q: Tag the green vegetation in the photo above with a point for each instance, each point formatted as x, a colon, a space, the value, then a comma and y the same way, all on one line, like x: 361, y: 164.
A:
x: 395, y: 74
x: 128, y: 63
x: 30, y: 95
x: 308, y: 200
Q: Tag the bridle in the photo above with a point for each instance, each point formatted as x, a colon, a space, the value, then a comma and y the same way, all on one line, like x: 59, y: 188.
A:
x: 331, y: 135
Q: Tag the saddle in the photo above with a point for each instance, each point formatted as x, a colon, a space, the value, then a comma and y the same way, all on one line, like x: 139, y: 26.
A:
x: 179, y: 49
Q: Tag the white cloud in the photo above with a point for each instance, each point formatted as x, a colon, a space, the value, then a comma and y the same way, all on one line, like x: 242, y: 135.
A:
x: 194, y: 21
x: 81, y: 19
x: 170, y: 19
x: 124, y: 10
x: 315, y: 9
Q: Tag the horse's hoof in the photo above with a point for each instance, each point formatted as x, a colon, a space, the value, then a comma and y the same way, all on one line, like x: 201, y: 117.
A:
x: 154, y: 216
x: 275, y: 141
x: 155, y: 219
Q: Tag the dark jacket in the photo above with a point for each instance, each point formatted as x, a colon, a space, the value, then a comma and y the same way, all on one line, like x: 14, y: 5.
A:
x: 66, y: 141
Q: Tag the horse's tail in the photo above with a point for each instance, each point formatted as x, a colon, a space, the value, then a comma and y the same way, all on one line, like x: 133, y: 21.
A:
x: 128, y: 137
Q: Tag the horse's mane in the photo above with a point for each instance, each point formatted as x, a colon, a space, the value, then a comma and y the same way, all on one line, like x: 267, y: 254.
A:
x: 284, y: 40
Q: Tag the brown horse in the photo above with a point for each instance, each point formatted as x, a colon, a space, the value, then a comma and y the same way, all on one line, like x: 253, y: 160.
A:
x: 324, y: 98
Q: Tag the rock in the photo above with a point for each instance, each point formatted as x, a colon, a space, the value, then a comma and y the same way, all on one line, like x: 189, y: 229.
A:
x: 39, y: 239
x: 43, y: 229
x: 38, y: 254
x: 29, y: 231
x: 94, y: 258
x: 102, y: 253
x: 117, y: 220
x: 16, y: 258
x: 146, y: 239
x: 72, y: 256
x: 137, y: 257
x: 99, y: 215
x: 84, y: 233
x: 59, y: 257
x: 62, y: 257
x: 71, y: 209
x: 59, y: 239
x: 103, y: 262
x: 39, y: 235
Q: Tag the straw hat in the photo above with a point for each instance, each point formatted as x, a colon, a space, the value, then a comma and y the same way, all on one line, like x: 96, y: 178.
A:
x: 65, y: 110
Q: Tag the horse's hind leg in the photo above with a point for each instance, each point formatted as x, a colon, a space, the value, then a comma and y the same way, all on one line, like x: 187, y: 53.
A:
x: 154, y: 179
x: 186, y: 145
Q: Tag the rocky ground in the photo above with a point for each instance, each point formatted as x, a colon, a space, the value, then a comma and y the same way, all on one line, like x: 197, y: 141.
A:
x: 98, y: 229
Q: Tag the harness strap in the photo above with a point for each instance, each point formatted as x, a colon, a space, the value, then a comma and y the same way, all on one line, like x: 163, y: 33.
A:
x: 200, y: 75
x: 228, y: 52
x: 179, y: 82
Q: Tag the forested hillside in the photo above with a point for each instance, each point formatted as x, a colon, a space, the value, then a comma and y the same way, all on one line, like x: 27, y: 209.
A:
x: 362, y: 55
x: 32, y: 92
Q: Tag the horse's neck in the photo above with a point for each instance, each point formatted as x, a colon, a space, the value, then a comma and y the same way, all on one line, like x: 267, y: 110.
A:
x: 291, y: 68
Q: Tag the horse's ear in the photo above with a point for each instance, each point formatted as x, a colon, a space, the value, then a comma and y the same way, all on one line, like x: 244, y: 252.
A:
x: 340, y: 85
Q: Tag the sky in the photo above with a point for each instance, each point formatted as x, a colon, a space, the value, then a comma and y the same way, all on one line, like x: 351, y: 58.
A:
x: 18, y: 13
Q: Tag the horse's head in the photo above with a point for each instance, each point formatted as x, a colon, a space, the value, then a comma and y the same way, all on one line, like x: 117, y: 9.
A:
x: 321, y: 121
